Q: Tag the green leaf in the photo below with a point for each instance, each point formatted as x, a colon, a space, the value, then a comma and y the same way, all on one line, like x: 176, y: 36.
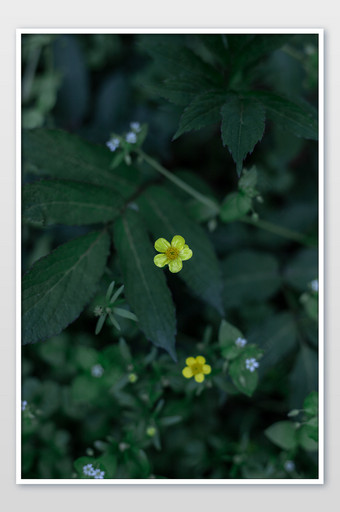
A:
x: 180, y: 91
x: 178, y: 60
x: 305, y: 440
x: 245, y: 380
x: 304, y: 376
x: 58, y: 287
x: 257, y: 46
x: 283, y: 434
x: 277, y: 336
x: 302, y: 269
x: 227, y: 335
x: 204, y: 110
x: 58, y: 154
x: 145, y: 286
x: 235, y: 206
x: 298, y: 118
x: 310, y: 404
x: 69, y: 202
x: 249, y: 276
x: 242, y: 127
x: 165, y: 218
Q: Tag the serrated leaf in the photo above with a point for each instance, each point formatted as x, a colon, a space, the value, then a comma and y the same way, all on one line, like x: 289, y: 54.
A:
x: 58, y: 287
x: 179, y: 60
x: 204, y: 110
x: 283, y: 434
x: 180, y: 91
x: 69, y: 202
x: 243, y: 121
x: 298, y: 118
x: 58, y: 154
x: 144, y: 287
x: 249, y: 275
x: 165, y: 218
x: 257, y: 46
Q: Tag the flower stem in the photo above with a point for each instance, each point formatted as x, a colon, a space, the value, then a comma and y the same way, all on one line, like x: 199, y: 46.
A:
x: 180, y: 183
x: 280, y: 231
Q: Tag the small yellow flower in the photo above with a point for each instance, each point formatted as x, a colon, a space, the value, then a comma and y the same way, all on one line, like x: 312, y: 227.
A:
x: 197, y: 368
x: 172, y: 254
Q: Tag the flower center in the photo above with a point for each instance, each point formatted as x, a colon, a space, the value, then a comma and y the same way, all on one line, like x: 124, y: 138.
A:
x: 196, y: 368
x: 172, y: 253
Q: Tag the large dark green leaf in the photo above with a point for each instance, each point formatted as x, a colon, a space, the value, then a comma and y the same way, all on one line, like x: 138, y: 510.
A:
x: 204, y: 110
x: 180, y: 91
x: 256, y: 47
x: 304, y: 376
x: 302, y: 269
x: 58, y: 154
x: 179, y: 60
x: 298, y: 118
x: 249, y: 276
x: 242, y: 127
x: 277, y: 336
x: 145, y: 286
x: 57, y: 288
x: 69, y: 202
x: 165, y: 218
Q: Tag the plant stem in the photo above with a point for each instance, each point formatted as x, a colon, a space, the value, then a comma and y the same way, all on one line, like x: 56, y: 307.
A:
x: 280, y: 231
x: 180, y: 183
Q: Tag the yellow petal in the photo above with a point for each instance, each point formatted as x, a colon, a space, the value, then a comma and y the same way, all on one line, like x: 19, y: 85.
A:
x: 178, y: 242
x: 199, y: 377
x: 187, y: 372
x: 190, y: 361
x: 200, y: 359
x: 161, y: 245
x: 160, y: 260
x: 206, y: 369
x: 185, y: 253
x: 175, y: 265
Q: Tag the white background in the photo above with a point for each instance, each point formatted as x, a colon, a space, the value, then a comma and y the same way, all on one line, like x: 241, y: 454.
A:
x: 171, y: 14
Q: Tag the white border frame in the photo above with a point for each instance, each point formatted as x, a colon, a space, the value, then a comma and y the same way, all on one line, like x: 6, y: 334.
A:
x: 71, y: 481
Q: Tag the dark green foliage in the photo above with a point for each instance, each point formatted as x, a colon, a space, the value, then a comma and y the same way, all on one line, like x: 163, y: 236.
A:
x: 145, y: 285
x: 60, y: 155
x: 57, y: 288
x: 109, y: 389
x: 225, y: 90
x: 165, y: 218
x: 69, y: 202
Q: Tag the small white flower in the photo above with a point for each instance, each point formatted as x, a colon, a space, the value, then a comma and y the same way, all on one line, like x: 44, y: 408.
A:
x: 99, y: 474
x: 98, y: 311
x: 251, y: 364
x: 23, y: 404
x: 131, y: 138
x: 289, y: 466
x: 135, y: 127
x: 113, y: 144
x: 88, y: 470
x: 315, y: 285
x: 97, y: 370
x: 240, y: 342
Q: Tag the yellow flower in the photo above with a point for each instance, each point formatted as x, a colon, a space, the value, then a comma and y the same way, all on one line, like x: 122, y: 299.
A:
x: 172, y: 254
x: 197, y: 368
